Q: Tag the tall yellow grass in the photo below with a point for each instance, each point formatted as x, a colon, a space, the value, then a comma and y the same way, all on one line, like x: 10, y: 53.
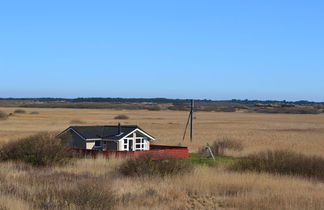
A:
x: 205, y: 188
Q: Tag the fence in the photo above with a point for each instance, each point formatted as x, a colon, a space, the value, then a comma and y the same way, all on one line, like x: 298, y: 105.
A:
x: 156, y: 150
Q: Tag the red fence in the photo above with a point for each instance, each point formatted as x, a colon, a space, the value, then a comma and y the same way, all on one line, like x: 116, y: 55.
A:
x: 156, y: 150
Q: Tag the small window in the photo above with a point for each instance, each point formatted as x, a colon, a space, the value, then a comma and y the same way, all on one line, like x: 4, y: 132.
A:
x: 138, y: 141
x: 142, y: 140
x: 125, y: 146
x: 138, y: 146
x: 97, y: 143
x: 125, y: 141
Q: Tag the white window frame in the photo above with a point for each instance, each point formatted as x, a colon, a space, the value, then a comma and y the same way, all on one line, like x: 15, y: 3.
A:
x: 142, y: 144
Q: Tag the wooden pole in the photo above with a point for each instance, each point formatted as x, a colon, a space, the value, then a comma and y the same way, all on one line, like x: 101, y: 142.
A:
x: 191, y: 119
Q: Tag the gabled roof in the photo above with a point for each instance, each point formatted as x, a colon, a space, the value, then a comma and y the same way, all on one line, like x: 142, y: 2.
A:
x: 104, y: 131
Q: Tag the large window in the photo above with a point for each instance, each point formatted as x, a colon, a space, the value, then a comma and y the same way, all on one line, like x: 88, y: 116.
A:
x: 140, y: 144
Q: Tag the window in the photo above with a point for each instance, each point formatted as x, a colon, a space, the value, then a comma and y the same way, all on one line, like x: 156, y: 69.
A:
x: 97, y: 143
x: 140, y: 143
x: 125, y: 144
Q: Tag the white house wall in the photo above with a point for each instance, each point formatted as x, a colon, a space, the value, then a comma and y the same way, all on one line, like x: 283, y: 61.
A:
x: 133, y: 137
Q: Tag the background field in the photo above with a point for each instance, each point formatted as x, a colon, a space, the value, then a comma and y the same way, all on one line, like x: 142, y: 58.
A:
x: 301, y: 133
x: 25, y: 187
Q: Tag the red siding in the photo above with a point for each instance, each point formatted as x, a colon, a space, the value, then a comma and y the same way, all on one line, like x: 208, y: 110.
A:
x: 174, y: 151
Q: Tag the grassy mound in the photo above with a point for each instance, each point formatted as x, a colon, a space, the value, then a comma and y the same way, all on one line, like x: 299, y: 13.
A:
x: 90, y: 196
x: 219, y: 147
x: 282, y: 162
x: 121, y: 117
x: 42, y: 149
x: 34, y: 112
x: 77, y: 122
x: 148, y: 165
x: 19, y: 111
x: 205, y: 159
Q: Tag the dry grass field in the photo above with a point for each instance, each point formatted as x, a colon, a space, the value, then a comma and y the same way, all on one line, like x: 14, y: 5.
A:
x: 301, y: 133
x: 24, y: 187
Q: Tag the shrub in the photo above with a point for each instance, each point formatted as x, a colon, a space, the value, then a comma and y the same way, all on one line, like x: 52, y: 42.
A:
x: 149, y: 165
x: 121, y: 117
x: 154, y: 108
x: 288, y: 110
x: 19, y: 111
x: 220, y: 146
x: 3, y: 115
x: 42, y: 149
x: 282, y: 162
x: 90, y: 196
x: 34, y: 113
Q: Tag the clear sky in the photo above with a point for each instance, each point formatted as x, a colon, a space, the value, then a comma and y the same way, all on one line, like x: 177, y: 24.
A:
x: 217, y: 49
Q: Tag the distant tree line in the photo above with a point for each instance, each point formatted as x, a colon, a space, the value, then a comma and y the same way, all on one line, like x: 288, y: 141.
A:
x: 163, y: 100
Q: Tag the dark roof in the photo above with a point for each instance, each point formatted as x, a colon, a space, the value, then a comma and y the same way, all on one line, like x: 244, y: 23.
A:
x: 104, y: 131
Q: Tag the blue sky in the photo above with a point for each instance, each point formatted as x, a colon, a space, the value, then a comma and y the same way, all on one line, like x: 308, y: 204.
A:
x: 216, y: 49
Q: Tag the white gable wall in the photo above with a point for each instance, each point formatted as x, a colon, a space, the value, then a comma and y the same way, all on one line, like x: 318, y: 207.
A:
x: 134, y: 142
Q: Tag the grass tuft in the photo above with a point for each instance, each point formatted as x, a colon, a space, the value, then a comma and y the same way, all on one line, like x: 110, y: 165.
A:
x: 121, y: 117
x: 34, y: 113
x: 203, y: 159
x: 90, y: 196
x: 219, y: 147
x: 282, y: 162
x: 148, y: 165
x: 19, y: 111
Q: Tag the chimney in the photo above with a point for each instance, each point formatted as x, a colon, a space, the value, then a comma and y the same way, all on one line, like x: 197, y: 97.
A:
x: 119, y: 129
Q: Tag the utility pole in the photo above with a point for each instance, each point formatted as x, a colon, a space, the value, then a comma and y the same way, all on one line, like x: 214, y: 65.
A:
x: 190, y: 120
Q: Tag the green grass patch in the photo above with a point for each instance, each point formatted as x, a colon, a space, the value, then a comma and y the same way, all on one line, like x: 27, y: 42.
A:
x: 203, y: 159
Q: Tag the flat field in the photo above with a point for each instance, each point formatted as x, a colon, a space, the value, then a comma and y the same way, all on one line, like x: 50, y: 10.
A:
x: 301, y: 133
x: 23, y: 187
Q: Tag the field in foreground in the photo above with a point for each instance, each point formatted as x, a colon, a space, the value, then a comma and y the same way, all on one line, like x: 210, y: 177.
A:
x: 23, y: 186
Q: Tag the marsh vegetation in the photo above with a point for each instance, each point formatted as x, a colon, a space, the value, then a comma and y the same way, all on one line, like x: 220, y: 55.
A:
x: 261, y: 180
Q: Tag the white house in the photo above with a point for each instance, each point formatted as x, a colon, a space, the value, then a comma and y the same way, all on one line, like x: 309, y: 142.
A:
x: 107, y: 137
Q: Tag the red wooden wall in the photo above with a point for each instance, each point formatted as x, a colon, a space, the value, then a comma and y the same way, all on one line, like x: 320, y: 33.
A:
x: 156, y: 150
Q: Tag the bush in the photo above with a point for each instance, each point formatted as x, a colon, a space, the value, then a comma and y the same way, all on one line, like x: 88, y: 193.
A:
x: 34, y: 113
x: 154, y: 108
x: 220, y: 146
x: 121, y: 117
x: 149, y: 165
x: 42, y: 149
x: 290, y: 110
x: 19, y: 111
x: 282, y: 162
x: 90, y: 196
x: 3, y: 115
